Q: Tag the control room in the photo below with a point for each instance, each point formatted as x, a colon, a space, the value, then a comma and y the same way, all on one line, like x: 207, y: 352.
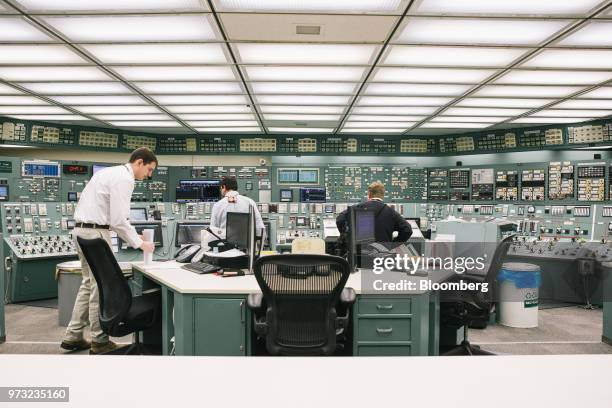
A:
x: 365, y: 178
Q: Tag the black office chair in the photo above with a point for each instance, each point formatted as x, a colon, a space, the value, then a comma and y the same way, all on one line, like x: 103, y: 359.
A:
x: 472, y: 308
x: 120, y: 313
x: 303, y: 305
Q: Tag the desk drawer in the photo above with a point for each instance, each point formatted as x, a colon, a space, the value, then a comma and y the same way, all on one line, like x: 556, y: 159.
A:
x: 395, y: 350
x: 385, y: 305
x: 384, y: 329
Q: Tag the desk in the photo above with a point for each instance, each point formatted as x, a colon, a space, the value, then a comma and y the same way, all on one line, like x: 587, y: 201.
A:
x: 607, y: 302
x: 208, y: 315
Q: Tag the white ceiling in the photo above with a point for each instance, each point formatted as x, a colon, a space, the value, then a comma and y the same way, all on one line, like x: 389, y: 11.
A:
x: 316, y: 66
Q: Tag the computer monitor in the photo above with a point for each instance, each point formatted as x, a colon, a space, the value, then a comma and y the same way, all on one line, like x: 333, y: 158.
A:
x: 138, y: 214
x: 158, y: 236
x: 189, y: 233
x: 72, y: 196
x: 97, y: 167
x: 362, y: 227
x: 198, y: 190
x: 4, y: 192
x: 312, y: 194
x: 286, y: 195
x: 237, y: 230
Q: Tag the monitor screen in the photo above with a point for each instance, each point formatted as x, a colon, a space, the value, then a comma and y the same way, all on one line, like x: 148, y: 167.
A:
x: 286, y: 195
x: 287, y: 176
x: 70, y: 224
x: 97, y: 167
x: 330, y: 208
x: 309, y: 176
x: 40, y: 168
x: 138, y: 214
x: 158, y: 237
x: 365, y: 222
x: 312, y: 195
x: 188, y: 233
x: 237, y: 229
x: 198, y: 190
x: 73, y: 196
x: 4, y: 192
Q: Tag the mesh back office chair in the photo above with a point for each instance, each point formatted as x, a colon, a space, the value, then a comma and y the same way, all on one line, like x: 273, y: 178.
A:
x: 472, y: 309
x: 303, y: 304
x: 120, y: 313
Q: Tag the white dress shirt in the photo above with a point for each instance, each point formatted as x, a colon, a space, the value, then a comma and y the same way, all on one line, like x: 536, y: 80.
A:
x: 106, y: 201
x: 241, y: 204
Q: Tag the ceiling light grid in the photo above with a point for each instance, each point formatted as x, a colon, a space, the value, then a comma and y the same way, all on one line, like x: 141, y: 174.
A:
x: 363, y: 84
x: 45, y: 100
x: 238, y: 69
x: 573, y: 101
x: 525, y: 61
x: 87, y: 55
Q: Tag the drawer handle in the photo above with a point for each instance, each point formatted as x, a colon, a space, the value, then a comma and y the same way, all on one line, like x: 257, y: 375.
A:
x: 384, y: 307
x: 384, y: 331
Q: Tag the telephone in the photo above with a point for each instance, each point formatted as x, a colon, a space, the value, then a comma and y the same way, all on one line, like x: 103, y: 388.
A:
x: 199, y: 255
x: 187, y: 252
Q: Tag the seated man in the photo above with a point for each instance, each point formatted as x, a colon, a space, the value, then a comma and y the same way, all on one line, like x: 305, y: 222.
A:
x: 232, y: 201
x: 388, y: 220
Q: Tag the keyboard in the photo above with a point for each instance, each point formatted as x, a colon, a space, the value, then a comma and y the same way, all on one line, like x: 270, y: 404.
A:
x: 201, y: 267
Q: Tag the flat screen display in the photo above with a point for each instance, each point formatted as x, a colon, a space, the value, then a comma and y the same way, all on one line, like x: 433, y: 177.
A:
x: 237, y: 229
x: 138, y: 214
x: 312, y: 195
x: 286, y: 195
x: 158, y: 238
x: 287, y: 176
x: 4, y: 192
x: 365, y: 222
x: 97, y: 167
x: 309, y: 176
x: 189, y: 233
x: 198, y: 190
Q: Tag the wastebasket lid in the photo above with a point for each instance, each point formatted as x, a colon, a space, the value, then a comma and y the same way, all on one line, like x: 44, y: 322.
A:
x: 76, y: 265
x: 69, y: 265
x: 520, y: 267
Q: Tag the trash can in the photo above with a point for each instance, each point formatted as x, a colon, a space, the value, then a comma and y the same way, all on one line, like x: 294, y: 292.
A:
x: 518, y: 294
x: 69, y: 276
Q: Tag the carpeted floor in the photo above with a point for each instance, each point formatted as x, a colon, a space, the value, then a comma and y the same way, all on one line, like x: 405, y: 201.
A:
x: 35, y: 330
x: 564, y: 330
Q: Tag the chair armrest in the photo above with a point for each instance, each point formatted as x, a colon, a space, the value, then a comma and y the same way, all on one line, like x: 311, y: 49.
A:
x: 348, y: 296
x: 254, y: 301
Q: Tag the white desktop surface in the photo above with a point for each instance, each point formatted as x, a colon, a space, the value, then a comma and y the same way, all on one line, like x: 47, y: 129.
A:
x: 171, y: 275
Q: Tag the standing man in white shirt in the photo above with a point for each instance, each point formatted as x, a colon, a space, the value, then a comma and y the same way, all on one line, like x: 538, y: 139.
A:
x: 232, y: 201
x: 104, y: 206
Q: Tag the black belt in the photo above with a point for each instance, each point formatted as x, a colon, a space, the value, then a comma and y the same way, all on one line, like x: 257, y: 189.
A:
x: 94, y: 226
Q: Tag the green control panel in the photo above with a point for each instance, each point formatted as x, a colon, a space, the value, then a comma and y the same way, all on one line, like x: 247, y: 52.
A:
x: 550, y: 137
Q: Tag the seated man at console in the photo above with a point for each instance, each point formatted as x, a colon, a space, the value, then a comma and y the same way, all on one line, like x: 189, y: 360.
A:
x: 388, y: 220
x: 232, y: 201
